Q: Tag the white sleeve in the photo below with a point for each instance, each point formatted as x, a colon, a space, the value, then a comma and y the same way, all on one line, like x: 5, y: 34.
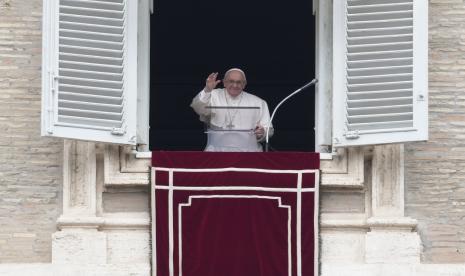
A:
x: 265, y: 120
x: 200, y: 101
x: 204, y: 96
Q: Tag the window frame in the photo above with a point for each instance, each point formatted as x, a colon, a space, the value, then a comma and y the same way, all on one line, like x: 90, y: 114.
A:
x: 327, y: 101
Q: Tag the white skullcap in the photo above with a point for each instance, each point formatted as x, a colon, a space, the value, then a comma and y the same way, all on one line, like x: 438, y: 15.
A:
x: 235, y: 69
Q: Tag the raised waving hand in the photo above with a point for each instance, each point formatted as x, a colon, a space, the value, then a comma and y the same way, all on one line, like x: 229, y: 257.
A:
x: 211, y: 82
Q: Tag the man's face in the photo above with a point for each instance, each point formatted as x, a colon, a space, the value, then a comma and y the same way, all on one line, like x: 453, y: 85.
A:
x: 234, y: 83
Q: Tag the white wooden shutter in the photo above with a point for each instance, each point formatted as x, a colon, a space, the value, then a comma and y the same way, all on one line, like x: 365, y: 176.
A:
x: 380, y: 67
x: 89, y: 81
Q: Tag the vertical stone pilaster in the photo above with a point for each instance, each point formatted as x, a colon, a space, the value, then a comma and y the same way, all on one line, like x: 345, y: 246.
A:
x: 388, y: 181
x: 79, y: 181
x: 79, y: 241
x: 391, y: 238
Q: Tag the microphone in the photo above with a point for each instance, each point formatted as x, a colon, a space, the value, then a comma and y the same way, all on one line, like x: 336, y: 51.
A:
x: 267, y: 134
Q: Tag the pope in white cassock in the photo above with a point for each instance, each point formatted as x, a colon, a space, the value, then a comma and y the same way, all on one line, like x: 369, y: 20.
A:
x: 236, y: 120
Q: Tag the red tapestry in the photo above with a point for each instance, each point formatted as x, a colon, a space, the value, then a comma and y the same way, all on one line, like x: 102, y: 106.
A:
x: 235, y: 214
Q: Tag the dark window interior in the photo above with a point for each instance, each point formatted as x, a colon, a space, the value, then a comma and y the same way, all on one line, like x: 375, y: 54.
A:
x: 272, y: 41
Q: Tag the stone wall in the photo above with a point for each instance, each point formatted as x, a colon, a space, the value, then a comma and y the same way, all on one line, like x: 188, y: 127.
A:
x: 435, y: 170
x: 30, y: 165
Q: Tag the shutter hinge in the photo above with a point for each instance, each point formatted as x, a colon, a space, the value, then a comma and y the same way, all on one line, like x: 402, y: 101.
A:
x: 51, y: 103
x: 353, y: 134
x: 54, y: 80
x: 118, y: 131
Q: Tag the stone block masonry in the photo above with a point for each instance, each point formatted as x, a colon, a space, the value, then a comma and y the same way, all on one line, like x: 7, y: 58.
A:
x: 435, y: 170
x: 30, y: 165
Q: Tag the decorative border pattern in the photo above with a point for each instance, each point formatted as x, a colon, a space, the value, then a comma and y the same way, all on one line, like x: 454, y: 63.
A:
x: 171, y: 188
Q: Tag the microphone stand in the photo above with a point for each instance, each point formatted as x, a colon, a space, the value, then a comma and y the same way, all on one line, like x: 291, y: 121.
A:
x: 313, y: 82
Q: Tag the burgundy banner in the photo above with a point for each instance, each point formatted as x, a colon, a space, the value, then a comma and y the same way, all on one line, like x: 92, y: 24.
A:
x: 235, y: 214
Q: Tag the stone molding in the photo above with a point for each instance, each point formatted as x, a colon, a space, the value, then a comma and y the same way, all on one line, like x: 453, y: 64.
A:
x: 393, y: 269
x: 327, y: 269
x: 104, y: 223
x: 381, y: 234
x: 343, y: 221
x: 87, y: 235
x: 346, y: 169
x: 48, y: 269
x: 123, y: 168
x: 405, y: 224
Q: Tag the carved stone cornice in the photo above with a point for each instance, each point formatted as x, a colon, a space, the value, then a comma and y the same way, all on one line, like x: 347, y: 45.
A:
x: 128, y: 221
x: 396, y: 223
x: 343, y: 222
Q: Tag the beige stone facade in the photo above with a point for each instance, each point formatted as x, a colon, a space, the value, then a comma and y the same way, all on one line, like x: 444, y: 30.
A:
x: 435, y: 170
x: 30, y: 166
x: 82, y: 208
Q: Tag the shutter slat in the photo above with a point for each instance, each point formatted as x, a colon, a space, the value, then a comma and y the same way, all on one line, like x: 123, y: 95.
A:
x: 379, y: 47
x: 380, y: 55
x: 376, y: 15
x: 379, y: 63
x: 379, y: 31
x: 91, y: 27
x: 114, y: 116
x: 91, y: 22
x: 383, y: 117
x: 91, y: 75
x: 384, y: 7
x: 380, y: 86
x: 87, y: 51
x: 90, y: 90
x: 90, y: 106
x: 94, y: 4
x: 111, y: 61
x: 80, y: 122
x: 96, y: 67
x: 390, y: 109
x: 378, y: 39
x: 92, y: 82
x: 379, y: 24
x: 91, y: 98
x: 393, y: 78
x: 77, y: 42
x: 393, y: 126
x: 367, y: 95
x: 92, y: 12
x: 371, y: 71
x: 92, y: 36
x: 379, y: 102
x: 373, y: 2
x: 112, y: 1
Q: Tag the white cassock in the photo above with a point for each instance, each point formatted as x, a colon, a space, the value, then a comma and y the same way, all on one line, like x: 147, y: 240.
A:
x: 231, y: 129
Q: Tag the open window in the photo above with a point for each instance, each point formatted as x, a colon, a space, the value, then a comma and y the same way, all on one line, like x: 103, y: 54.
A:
x: 371, y: 62
x: 272, y: 41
